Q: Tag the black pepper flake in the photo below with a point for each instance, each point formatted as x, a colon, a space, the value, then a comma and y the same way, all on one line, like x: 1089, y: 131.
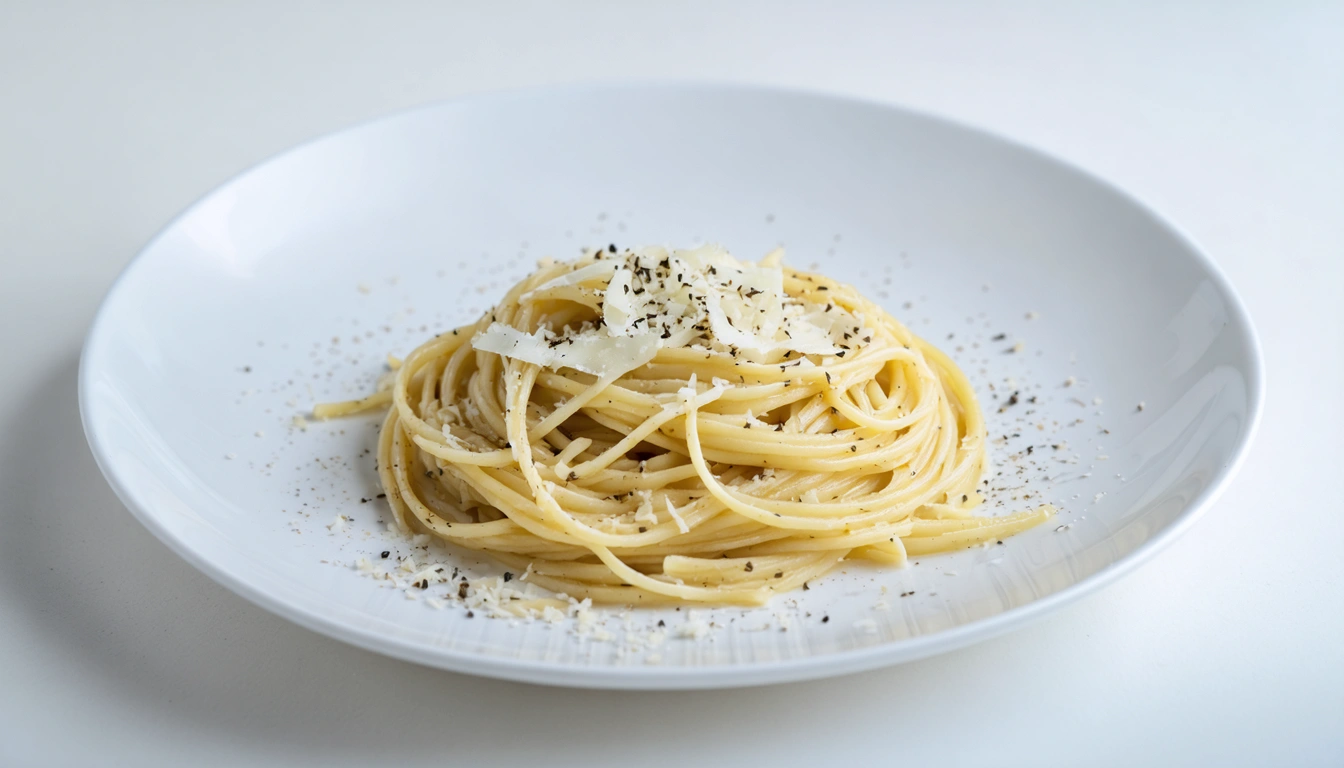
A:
x: 906, y: 594
x: 573, y: 476
x: 381, y: 496
x: 825, y: 619
x: 662, y: 623
x: 999, y: 337
x: 805, y: 586
x: 385, y: 554
x: 471, y: 615
x: 611, y: 248
x: 508, y: 576
x: 779, y: 574
x: 462, y: 590
x: 363, y: 500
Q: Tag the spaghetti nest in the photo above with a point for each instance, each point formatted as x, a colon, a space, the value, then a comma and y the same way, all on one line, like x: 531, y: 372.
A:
x: 707, y: 473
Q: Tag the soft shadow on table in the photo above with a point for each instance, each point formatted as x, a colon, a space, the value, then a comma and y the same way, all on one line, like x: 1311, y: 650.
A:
x: 95, y: 584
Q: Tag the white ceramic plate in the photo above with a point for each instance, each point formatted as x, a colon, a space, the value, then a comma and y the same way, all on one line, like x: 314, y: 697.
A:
x: 290, y: 284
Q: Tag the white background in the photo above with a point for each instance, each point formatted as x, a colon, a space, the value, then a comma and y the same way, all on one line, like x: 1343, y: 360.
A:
x: 1226, y: 649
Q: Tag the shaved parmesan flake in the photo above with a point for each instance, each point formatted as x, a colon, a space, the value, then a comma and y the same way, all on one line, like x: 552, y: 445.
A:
x: 618, y: 308
x: 598, y: 355
x: 598, y: 269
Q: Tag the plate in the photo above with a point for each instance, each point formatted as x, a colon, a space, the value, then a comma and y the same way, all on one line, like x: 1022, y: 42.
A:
x: 1119, y: 371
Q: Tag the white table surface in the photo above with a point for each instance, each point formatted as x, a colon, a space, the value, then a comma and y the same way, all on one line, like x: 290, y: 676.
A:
x: 1226, y: 649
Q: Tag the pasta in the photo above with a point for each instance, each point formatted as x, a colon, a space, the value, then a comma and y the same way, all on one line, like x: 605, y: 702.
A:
x: 650, y: 426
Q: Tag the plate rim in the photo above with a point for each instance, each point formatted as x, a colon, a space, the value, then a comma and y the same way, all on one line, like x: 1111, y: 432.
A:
x: 719, y: 675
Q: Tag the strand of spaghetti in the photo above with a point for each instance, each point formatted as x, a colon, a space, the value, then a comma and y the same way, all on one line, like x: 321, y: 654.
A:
x: 351, y: 407
x: 1004, y: 526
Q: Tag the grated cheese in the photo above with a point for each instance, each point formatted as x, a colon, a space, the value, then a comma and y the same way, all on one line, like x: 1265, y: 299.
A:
x: 694, y: 628
x: 676, y: 516
x: 644, y: 514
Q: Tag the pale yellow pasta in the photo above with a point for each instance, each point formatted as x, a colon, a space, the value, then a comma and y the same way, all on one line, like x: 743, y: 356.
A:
x: 700, y: 476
